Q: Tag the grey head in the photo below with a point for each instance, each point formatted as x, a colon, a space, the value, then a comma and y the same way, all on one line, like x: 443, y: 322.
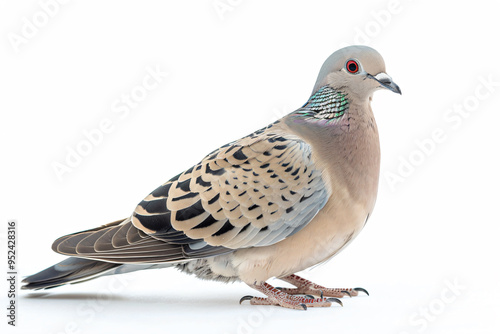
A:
x: 357, y: 71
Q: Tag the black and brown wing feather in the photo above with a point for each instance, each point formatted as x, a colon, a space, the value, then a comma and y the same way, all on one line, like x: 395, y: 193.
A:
x: 124, y: 243
x: 252, y: 192
x: 249, y: 193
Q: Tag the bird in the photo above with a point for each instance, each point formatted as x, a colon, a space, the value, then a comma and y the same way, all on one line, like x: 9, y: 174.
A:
x: 280, y: 200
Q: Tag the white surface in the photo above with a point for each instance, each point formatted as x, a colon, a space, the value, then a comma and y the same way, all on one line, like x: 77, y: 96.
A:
x: 228, y: 77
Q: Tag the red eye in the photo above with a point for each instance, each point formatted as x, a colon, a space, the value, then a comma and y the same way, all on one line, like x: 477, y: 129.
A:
x: 352, y: 66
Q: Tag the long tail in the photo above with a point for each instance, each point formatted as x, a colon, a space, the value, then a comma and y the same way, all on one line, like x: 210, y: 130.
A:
x: 71, y: 270
x: 75, y: 270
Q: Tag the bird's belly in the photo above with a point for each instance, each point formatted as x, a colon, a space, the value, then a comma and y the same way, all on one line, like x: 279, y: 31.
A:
x: 328, y: 233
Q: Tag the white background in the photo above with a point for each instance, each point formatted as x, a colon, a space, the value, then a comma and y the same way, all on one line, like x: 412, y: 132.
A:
x: 435, y: 225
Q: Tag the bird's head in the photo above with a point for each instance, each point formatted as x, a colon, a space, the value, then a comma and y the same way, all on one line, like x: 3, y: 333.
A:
x: 357, y: 71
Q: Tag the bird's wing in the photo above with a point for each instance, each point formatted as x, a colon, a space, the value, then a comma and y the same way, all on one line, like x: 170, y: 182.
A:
x: 252, y: 192
x: 122, y: 242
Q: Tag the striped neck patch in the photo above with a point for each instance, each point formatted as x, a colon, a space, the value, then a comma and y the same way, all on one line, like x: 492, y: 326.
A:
x: 326, y: 103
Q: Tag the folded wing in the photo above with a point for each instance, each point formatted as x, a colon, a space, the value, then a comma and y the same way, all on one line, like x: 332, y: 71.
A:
x: 250, y: 193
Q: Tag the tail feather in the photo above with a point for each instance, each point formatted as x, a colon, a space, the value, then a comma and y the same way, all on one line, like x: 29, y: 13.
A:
x: 75, y: 270
x: 71, y: 270
x: 115, y: 248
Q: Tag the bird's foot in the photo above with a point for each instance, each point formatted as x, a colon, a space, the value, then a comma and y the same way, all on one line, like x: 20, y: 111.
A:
x: 305, y: 287
x: 280, y: 298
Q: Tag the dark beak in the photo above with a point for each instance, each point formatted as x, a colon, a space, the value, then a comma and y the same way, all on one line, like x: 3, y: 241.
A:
x: 385, y: 81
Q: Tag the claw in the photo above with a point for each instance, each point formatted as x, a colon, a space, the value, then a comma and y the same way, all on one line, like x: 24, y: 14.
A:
x: 245, y: 298
x: 362, y: 290
x: 304, y: 306
x: 309, y: 296
x: 346, y: 292
x: 279, y: 288
x: 321, y: 293
x: 335, y: 300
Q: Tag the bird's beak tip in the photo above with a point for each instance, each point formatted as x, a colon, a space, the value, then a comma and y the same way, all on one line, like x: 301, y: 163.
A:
x: 386, y: 82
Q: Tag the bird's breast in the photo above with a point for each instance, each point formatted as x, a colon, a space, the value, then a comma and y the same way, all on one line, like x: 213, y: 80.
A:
x: 335, y: 226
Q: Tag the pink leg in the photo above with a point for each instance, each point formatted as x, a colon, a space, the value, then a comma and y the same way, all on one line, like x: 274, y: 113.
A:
x: 305, y: 287
x: 280, y: 298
